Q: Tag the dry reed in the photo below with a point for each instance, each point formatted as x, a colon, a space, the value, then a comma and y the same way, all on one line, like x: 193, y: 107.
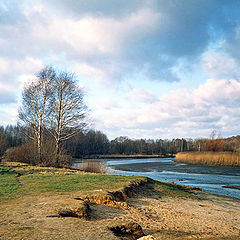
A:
x: 209, y: 158
x: 93, y: 166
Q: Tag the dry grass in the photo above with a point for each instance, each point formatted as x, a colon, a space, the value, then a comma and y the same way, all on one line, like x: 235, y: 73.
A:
x: 93, y: 166
x: 209, y: 158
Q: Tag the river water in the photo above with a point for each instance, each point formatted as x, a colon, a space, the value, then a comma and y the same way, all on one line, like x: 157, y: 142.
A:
x: 210, y: 179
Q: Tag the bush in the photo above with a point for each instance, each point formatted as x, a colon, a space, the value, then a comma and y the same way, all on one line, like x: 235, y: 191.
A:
x: 65, y: 160
x: 27, y: 153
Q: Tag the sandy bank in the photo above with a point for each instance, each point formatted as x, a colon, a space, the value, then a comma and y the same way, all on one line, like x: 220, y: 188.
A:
x: 212, y: 217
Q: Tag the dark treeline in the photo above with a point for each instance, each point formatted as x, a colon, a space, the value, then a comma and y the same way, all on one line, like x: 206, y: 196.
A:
x: 97, y: 143
x: 10, y: 136
x: 94, y: 142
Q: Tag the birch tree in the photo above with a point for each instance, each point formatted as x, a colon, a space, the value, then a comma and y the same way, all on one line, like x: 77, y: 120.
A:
x: 68, y: 111
x: 35, y: 105
x: 53, y: 103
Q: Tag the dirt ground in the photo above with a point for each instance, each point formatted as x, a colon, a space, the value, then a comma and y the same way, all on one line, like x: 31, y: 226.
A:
x: 213, y: 217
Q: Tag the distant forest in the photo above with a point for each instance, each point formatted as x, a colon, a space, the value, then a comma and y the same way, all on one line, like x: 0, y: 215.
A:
x: 94, y: 142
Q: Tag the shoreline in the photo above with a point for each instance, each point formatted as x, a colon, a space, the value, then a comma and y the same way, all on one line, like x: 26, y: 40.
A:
x: 124, y: 156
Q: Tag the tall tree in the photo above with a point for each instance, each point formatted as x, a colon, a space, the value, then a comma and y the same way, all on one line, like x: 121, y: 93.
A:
x: 35, y: 105
x: 68, y: 111
x: 53, y: 103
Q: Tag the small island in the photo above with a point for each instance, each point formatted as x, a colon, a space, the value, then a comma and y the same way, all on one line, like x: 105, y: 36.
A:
x: 233, y: 187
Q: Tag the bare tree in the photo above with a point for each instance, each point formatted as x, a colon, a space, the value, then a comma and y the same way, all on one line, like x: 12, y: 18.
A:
x: 35, y: 105
x: 53, y: 103
x: 68, y: 111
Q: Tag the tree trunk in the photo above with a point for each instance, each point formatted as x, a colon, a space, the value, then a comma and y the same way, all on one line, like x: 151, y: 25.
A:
x: 57, y: 150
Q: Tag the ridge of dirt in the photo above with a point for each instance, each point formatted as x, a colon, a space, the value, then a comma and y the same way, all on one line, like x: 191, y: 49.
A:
x: 117, y: 198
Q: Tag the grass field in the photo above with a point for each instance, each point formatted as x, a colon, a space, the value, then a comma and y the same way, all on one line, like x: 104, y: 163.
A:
x: 18, y: 179
x: 209, y: 158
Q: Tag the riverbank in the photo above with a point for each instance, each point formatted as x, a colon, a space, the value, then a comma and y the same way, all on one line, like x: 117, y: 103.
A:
x: 130, y: 156
x: 33, y: 196
x: 209, y: 158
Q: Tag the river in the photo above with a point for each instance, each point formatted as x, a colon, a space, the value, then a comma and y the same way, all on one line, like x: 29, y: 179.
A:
x: 210, y: 179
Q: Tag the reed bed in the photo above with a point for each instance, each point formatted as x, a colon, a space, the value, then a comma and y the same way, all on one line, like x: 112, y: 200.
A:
x: 209, y: 158
x: 93, y: 166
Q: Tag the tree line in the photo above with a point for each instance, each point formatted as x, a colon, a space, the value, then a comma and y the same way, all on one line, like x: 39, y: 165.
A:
x: 10, y: 136
x: 92, y: 142
x: 97, y: 143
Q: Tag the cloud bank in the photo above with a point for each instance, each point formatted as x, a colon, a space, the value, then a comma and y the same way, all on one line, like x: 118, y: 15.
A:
x: 183, y: 113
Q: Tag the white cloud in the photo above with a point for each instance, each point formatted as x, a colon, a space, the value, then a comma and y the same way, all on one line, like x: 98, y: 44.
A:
x: 95, y: 35
x: 25, y: 78
x: 89, y: 72
x: 143, y: 40
x: 108, y: 104
x: 219, y: 64
x: 180, y: 113
x: 8, y: 114
x: 143, y: 95
x: 14, y: 74
x: 4, y: 66
x: 25, y: 65
x: 218, y: 91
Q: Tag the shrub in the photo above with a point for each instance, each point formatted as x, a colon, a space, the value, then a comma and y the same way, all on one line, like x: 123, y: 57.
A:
x: 65, y: 160
x: 27, y: 153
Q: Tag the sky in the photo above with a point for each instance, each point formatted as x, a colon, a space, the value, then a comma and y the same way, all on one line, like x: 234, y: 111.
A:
x: 148, y: 68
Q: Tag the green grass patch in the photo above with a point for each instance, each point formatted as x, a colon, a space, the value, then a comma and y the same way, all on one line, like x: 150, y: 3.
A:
x: 38, y: 183
x: 19, y: 180
x: 8, y: 183
x: 173, y: 189
x: 37, y: 180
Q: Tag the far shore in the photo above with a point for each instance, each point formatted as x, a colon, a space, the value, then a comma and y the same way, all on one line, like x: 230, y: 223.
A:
x: 130, y: 156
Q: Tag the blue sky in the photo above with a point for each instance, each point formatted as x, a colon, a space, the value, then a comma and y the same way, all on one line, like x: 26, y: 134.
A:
x: 150, y: 68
